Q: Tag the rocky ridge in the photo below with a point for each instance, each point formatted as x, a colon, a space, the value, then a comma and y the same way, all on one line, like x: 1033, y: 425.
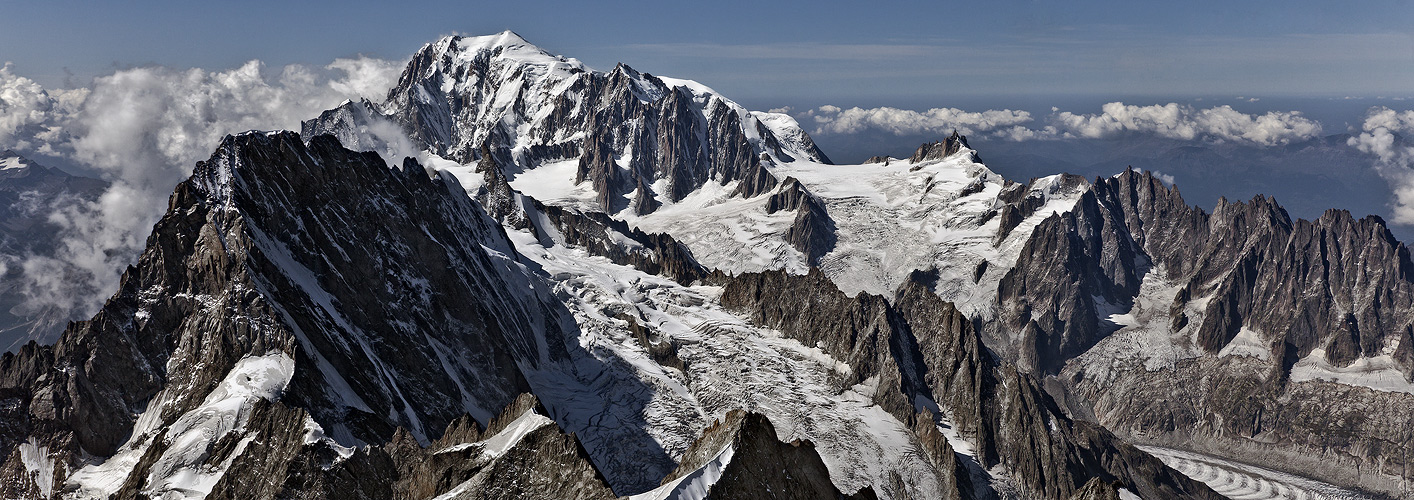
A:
x: 1254, y: 295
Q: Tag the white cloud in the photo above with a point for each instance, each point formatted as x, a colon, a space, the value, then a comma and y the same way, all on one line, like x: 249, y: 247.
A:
x: 144, y: 129
x: 1181, y: 121
x: 832, y: 119
x: 31, y: 117
x: 366, y: 76
x: 1172, y: 120
x: 1395, y: 160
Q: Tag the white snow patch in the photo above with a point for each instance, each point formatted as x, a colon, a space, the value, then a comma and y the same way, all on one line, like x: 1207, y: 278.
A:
x: 1143, y: 332
x: 524, y: 424
x: 1248, y: 342
x: 184, y: 470
x: 39, y: 464
x: 1380, y: 373
x: 694, y: 486
x: 12, y: 162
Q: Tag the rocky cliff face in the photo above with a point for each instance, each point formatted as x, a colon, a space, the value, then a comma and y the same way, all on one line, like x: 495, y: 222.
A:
x: 270, y: 301
x: 923, y: 353
x: 1271, y: 303
x: 938, y: 150
x: 812, y: 232
x: 728, y: 461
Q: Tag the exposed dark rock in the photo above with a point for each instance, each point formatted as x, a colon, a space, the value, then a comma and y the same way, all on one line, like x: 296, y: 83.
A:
x: 1019, y: 201
x: 597, y: 165
x: 756, y: 450
x: 663, y: 351
x: 654, y: 253
x: 271, y: 247
x: 942, y: 149
x: 813, y: 231
x: 1097, y: 489
x: 921, y: 346
x: 1337, y: 284
x: 596, y: 232
x: 1098, y: 262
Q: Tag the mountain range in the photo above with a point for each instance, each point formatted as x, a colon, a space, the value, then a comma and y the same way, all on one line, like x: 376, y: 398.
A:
x: 516, y: 276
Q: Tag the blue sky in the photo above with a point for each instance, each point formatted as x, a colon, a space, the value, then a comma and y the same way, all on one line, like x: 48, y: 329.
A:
x: 757, y: 52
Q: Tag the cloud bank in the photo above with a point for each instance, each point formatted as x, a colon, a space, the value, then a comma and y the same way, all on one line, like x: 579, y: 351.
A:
x: 1116, y: 119
x: 1380, y: 136
x: 1181, y: 121
x: 144, y: 129
x: 834, y: 120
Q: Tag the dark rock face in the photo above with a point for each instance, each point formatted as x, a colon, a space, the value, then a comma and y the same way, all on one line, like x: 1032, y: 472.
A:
x: 921, y: 347
x: 275, y: 247
x: 1097, y: 489
x: 29, y: 194
x: 812, y: 232
x: 755, y: 449
x: 542, y: 463
x: 1336, y: 284
x: 1059, y: 317
x: 1019, y: 201
x: 942, y: 149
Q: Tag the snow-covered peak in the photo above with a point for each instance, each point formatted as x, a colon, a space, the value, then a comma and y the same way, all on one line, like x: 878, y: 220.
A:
x: 505, y: 46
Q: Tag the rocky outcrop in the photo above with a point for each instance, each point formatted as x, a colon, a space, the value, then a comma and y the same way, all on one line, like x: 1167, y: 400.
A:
x: 740, y: 448
x: 1335, y: 289
x: 921, y: 347
x: 1020, y: 201
x: 812, y: 232
x: 942, y: 149
x: 521, y: 454
x: 653, y: 253
x: 1097, y: 489
x: 1057, y: 313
